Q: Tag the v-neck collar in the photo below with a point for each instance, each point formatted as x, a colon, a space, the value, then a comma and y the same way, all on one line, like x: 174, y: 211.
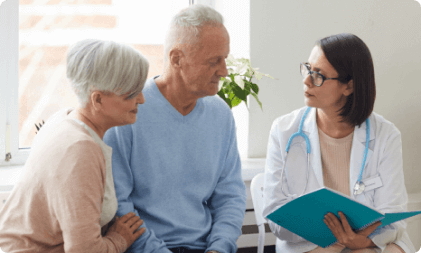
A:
x: 171, y: 109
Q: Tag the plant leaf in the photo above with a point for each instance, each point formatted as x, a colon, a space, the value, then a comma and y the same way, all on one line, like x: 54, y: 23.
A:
x: 235, y: 101
x: 257, y: 99
x: 221, y: 94
x: 239, y: 93
x: 230, y: 60
x: 258, y: 75
x: 247, y: 92
x: 254, y: 87
x: 228, y: 102
x: 247, y: 85
x: 242, y: 69
x: 239, y: 81
x: 232, y: 77
x: 231, y: 71
x: 231, y: 95
x: 249, y: 73
x: 221, y: 83
x: 267, y: 75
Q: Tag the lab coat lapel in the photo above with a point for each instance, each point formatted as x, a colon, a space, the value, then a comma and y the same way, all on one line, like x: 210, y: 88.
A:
x: 357, y: 153
x: 310, y: 129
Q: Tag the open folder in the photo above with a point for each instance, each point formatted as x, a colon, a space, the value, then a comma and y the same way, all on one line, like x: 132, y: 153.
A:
x: 304, y: 215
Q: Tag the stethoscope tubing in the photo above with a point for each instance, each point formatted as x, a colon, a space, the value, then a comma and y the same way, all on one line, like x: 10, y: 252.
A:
x: 366, y: 149
x: 308, y: 147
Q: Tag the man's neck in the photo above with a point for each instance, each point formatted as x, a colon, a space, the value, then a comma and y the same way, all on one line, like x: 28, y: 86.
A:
x: 329, y: 121
x: 177, y: 94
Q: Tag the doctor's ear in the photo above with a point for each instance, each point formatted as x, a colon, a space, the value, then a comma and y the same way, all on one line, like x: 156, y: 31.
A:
x: 349, y: 88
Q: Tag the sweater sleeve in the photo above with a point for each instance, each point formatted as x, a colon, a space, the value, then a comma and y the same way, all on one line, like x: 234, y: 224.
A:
x: 120, y: 139
x: 228, y: 202
x: 392, y: 196
x: 273, y: 194
x: 76, y: 200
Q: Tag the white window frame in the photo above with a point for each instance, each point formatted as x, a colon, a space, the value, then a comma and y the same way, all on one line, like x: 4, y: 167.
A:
x: 9, y: 82
x: 239, y: 48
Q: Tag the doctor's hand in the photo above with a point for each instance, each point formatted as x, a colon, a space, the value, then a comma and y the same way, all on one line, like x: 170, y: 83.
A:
x: 344, y: 234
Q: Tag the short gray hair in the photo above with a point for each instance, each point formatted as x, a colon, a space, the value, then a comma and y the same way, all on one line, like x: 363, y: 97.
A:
x: 108, y: 66
x: 186, y: 25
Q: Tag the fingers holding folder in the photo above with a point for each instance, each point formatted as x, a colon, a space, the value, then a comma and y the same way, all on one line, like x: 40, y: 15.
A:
x: 346, y: 236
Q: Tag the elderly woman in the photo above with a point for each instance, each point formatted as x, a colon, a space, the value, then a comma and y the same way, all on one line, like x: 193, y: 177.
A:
x: 339, y: 91
x: 65, y: 200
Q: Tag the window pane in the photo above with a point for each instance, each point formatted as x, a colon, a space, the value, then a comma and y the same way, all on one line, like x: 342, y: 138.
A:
x: 237, y: 21
x: 48, y: 27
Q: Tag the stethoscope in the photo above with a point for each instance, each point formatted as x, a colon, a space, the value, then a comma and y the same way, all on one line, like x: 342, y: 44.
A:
x: 359, y: 186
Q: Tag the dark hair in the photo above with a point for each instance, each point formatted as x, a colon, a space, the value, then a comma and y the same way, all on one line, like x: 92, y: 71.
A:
x: 351, y: 58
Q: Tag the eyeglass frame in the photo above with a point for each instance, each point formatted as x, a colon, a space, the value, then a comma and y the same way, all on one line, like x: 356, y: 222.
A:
x: 307, y: 65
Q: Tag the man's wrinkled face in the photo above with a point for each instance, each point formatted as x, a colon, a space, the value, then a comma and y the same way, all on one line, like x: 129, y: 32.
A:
x: 204, y: 63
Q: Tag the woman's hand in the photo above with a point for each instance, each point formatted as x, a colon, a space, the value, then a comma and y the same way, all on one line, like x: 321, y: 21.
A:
x: 344, y: 234
x: 127, y: 226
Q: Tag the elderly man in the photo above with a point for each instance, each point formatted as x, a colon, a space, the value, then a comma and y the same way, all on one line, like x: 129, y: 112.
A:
x: 178, y: 166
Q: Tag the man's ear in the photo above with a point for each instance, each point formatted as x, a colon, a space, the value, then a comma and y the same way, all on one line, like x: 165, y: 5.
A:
x: 175, y: 57
x: 350, y: 88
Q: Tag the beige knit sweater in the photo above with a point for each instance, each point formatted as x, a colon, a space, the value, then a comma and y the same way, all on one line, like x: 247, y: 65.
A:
x: 56, y: 206
x: 336, y: 155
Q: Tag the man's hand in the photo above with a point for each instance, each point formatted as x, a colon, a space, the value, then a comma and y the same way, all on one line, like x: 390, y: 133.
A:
x: 344, y: 234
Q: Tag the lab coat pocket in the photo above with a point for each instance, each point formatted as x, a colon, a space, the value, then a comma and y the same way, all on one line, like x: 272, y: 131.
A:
x: 296, y: 169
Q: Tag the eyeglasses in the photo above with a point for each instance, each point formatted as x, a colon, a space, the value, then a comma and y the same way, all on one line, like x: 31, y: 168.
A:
x: 316, y: 77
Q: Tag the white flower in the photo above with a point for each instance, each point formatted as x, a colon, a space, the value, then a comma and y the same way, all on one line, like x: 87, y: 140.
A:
x: 231, y: 71
x: 238, y: 80
x: 242, y: 69
x: 258, y: 75
x: 230, y: 60
x: 221, y: 82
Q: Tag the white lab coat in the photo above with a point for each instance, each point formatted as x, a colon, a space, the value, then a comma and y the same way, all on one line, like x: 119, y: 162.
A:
x: 384, y: 160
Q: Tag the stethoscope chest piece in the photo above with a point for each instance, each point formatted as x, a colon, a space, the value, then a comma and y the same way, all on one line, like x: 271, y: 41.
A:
x: 359, y: 188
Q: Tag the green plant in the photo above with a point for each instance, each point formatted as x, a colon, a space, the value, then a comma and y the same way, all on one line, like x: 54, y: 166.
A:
x: 238, y: 84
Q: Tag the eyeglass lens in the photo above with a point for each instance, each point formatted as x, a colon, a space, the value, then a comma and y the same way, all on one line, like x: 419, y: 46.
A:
x: 315, y: 76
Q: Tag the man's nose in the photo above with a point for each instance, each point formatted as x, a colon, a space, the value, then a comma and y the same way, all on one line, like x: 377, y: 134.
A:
x: 222, y: 71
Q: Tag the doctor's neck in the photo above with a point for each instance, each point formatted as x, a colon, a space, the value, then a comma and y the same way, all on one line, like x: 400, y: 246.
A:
x: 329, y: 121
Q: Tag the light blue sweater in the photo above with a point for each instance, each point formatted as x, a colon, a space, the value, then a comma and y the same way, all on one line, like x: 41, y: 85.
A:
x: 180, y: 174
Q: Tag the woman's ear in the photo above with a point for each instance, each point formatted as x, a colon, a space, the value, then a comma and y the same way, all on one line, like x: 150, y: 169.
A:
x: 97, y: 100
x: 349, y: 88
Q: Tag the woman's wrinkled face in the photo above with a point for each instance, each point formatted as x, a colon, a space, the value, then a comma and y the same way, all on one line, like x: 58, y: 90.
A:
x: 121, y: 110
x: 332, y: 94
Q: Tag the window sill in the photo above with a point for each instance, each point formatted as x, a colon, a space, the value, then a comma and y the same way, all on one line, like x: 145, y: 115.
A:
x: 9, y: 174
x: 251, y: 167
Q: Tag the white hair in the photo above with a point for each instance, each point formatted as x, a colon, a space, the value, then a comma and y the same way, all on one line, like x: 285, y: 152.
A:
x: 186, y: 25
x: 107, y: 66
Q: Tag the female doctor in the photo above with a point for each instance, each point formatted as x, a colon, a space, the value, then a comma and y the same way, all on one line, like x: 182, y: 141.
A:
x: 339, y: 91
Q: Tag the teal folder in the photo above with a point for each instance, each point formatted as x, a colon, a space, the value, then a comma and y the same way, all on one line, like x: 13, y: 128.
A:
x: 304, y: 215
